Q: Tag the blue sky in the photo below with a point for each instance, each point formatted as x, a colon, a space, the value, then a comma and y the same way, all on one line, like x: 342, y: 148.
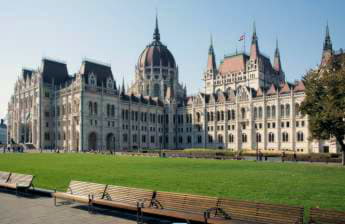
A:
x: 116, y: 32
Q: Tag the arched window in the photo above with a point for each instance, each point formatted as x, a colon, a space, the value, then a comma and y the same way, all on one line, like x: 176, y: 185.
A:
x: 95, y: 109
x: 220, y: 138
x: 112, y: 110
x: 270, y: 137
x: 243, y: 113
x: 285, y: 137
x: 255, y: 112
x: 268, y: 112
x: 210, y: 139
x: 297, y: 111
x: 156, y: 90
x: 287, y: 110
x: 282, y: 110
x: 222, y: 115
x: 258, y: 137
x: 92, y: 80
x: 300, y: 136
x: 260, y: 112
x: 233, y: 115
x: 229, y: 114
x: 211, y: 116
x: 231, y: 138
x: 90, y: 108
x: 108, y: 110
x: 198, y: 118
x: 244, y: 138
x: 273, y: 111
x: 218, y: 116
x: 208, y: 116
x: 110, y: 84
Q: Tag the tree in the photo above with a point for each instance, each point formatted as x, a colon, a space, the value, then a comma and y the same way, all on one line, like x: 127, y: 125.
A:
x: 325, y: 101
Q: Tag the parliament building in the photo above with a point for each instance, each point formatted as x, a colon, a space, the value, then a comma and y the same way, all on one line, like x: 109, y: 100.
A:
x: 246, y: 104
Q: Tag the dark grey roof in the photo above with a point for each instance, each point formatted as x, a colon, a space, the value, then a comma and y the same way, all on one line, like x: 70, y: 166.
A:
x: 101, y: 71
x: 54, y: 71
x: 27, y: 73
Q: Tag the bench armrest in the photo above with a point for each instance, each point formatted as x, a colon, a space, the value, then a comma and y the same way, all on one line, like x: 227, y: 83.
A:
x: 153, y: 203
x: 216, y: 211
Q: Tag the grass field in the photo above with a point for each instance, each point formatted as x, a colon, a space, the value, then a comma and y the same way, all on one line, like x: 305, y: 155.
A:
x: 294, y: 184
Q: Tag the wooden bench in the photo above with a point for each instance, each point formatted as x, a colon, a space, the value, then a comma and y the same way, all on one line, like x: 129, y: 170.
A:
x: 123, y: 197
x: 326, y: 216
x: 18, y: 181
x: 179, y: 206
x: 4, y: 176
x: 254, y: 212
x: 79, y: 191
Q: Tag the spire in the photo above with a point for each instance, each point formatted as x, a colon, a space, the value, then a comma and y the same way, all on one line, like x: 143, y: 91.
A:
x: 254, y: 48
x: 156, y: 35
x: 327, y: 45
x: 254, y: 38
x: 211, y: 60
x: 123, y: 90
x: 277, y: 63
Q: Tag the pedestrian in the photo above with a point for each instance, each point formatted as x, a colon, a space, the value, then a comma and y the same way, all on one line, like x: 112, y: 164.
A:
x: 283, y: 156
x: 295, y: 156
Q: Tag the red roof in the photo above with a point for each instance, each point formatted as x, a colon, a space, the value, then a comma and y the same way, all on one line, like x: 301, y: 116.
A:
x: 285, y: 89
x: 299, y: 87
x: 272, y: 90
x: 233, y: 64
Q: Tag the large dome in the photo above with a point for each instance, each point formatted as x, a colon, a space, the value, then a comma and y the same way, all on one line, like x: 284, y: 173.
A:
x: 156, y: 54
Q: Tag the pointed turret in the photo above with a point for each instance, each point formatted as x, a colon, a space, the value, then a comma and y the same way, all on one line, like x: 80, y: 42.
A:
x: 156, y: 35
x: 211, y: 60
x: 277, y: 63
x: 254, y: 48
x: 123, y: 90
x: 327, y: 47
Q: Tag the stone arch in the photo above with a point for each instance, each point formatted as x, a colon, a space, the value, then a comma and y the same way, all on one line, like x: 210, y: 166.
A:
x: 92, y: 140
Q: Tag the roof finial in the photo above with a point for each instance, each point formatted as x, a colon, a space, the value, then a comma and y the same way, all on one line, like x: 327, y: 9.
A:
x: 156, y: 35
x: 210, y: 50
x: 254, y: 38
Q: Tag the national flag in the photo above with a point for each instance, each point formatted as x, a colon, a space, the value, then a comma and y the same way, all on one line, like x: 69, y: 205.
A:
x: 242, y: 37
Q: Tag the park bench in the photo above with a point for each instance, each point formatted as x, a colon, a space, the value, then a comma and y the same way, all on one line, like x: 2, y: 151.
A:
x: 4, y: 176
x: 326, y: 216
x: 18, y: 181
x: 254, y: 212
x: 123, y: 197
x: 79, y: 191
x: 179, y: 206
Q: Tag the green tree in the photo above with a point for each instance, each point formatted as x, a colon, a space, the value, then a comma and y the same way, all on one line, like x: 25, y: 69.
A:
x: 325, y: 101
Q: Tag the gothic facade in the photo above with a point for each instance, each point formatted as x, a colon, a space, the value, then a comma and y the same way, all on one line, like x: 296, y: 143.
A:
x: 246, y: 105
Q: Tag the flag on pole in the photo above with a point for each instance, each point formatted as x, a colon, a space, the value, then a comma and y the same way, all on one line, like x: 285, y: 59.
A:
x: 242, y: 37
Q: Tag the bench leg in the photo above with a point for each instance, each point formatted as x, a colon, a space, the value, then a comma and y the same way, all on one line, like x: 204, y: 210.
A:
x: 55, y: 201
x: 140, y: 216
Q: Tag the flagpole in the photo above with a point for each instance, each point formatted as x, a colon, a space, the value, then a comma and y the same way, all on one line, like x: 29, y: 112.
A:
x: 244, y: 44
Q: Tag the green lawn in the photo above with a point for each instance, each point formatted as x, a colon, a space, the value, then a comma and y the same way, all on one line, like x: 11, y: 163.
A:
x: 294, y: 184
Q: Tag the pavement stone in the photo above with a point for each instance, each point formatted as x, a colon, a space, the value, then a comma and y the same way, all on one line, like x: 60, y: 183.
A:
x: 31, y: 209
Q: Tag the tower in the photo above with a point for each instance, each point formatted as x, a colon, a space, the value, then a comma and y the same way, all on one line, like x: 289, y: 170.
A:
x: 327, y: 48
x: 277, y: 63
x: 254, y: 48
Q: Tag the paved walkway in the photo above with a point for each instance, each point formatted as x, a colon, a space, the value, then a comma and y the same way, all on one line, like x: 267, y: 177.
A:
x: 41, y: 210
